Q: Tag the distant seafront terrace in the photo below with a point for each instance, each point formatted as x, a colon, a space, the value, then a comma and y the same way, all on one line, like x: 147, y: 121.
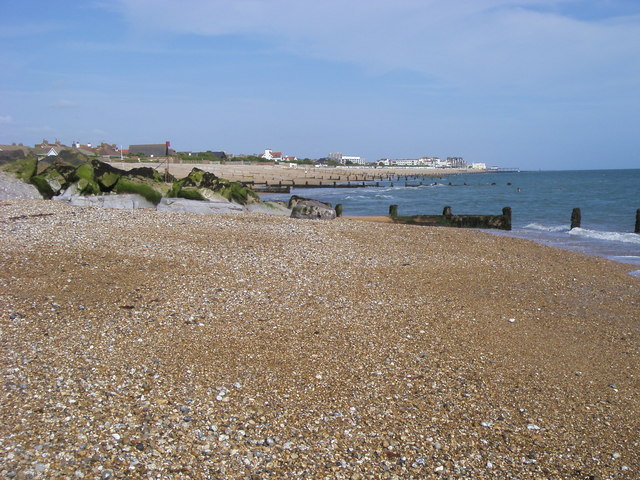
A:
x: 163, y: 152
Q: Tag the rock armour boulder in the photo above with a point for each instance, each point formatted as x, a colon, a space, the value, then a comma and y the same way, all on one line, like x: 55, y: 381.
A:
x: 310, y: 209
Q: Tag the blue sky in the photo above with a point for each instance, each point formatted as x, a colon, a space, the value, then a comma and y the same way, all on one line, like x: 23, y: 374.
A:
x: 535, y: 84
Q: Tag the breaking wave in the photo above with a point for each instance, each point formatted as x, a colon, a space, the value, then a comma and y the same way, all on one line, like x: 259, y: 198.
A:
x: 547, y: 228
x: 607, y: 236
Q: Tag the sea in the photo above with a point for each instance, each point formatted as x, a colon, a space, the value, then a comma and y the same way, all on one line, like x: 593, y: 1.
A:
x: 541, y: 203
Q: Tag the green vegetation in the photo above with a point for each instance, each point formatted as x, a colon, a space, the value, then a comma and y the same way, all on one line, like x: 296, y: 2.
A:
x: 43, y: 186
x: 97, y: 177
x: 85, y: 176
x: 84, y: 171
x: 23, y: 168
x: 108, y: 180
x: 190, y: 194
x: 175, y: 189
x: 88, y: 187
x: 236, y: 192
x: 146, y: 191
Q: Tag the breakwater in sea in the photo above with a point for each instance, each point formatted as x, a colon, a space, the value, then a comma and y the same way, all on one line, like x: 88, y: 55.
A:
x: 541, y: 202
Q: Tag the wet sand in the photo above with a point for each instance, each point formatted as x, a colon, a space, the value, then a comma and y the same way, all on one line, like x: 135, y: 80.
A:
x: 140, y: 344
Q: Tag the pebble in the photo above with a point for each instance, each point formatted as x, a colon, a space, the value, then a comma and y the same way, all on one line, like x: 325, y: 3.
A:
x: 107, y: 390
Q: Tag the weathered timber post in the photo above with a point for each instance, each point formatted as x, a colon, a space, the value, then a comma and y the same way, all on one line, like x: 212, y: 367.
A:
x: 393, y: 210
x: 339, y: 210
x: 637, y: 230
x: 506, y: 212
x: 446, y: 212
x: 576, y: 218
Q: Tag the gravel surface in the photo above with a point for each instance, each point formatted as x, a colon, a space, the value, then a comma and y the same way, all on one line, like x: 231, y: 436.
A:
x: 144, y: 344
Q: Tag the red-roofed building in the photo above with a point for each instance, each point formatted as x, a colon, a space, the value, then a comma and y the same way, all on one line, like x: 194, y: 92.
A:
x: 271, y: 155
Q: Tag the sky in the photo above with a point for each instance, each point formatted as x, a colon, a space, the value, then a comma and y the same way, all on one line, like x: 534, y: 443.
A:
x: 533, y: 84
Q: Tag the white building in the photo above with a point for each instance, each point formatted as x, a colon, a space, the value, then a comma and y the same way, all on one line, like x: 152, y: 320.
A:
x: 405, y: 162
x: 478, y: 166
x: 344, y: 159
x: 271, y: 155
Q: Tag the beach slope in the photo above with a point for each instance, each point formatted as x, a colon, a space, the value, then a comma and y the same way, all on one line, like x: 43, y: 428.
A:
x: 143, y: 343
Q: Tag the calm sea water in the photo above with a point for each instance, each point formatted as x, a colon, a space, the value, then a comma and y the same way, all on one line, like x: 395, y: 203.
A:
x: 541, y: 204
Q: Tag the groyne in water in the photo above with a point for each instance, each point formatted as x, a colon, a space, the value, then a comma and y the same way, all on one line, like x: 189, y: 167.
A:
x: 447, y: 219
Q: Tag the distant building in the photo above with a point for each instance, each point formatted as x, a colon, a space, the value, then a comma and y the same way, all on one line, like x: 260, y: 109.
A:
x: 153, y: 150
x: 433, y: 162
x: 271, y: 155
x: 345, y: 159
x: 216, y: 155
x: 12, y: 152
x: 405, y: 162
x: 478, y: 166
x: 456, y: 162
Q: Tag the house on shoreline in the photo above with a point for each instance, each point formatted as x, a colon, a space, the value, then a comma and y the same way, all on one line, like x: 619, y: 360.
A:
x: 152, y: 150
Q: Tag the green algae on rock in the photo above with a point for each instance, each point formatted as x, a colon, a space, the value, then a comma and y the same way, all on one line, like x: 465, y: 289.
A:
x: 201, y: 185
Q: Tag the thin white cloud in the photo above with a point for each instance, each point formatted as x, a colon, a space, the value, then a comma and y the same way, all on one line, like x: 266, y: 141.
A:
x: 6, y: 120
x: 496, y: 44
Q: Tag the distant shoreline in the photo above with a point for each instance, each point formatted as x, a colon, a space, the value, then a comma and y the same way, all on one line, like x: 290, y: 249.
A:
x: 274, y: 174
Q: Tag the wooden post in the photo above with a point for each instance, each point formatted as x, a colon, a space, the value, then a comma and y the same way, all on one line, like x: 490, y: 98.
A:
x: 446, y: 212
x: 339, y: 210
x: 393, y: 210
x: 637, y: 221
x: 576, y: 218
x: 506, y: 211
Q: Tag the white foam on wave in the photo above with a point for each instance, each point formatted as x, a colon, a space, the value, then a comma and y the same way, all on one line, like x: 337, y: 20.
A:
x: 546, y: 228
x: 635, y: 273
x: 607, y: 236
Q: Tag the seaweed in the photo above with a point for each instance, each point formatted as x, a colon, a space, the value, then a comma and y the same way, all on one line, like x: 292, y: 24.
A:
x: 126, y: 186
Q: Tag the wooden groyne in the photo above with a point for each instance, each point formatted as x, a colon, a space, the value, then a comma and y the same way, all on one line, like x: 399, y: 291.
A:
x: 447, y: 219
x: 576, y: 219
x: 264, y: 188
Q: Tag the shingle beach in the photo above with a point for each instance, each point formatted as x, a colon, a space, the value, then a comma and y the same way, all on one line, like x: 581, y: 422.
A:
x: 145, y: 344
